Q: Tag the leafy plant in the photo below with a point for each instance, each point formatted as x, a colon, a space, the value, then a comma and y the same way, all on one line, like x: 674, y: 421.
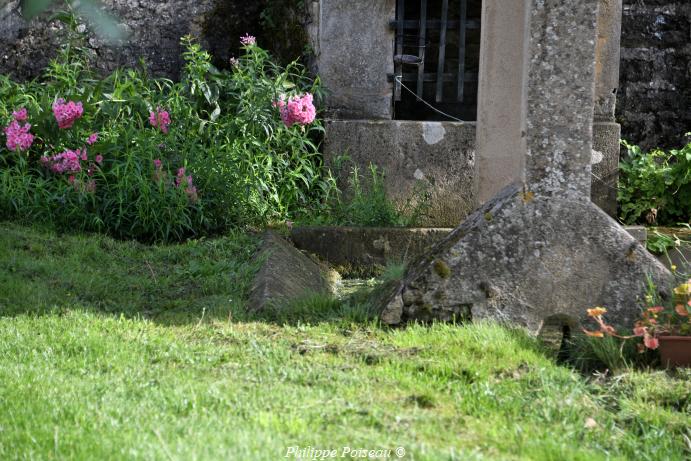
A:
x: 655, y: 186
x: 654, y: 321
x: 366, y: 203
x: 156, y: 160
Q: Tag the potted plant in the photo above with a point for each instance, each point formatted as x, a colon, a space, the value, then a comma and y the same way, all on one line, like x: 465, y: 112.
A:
x: 666, y: 329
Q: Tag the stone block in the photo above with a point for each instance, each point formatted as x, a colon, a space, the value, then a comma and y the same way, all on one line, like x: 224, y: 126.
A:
x: 285, y: 274
x: 529, y: 261
x: 412, y: 154
x: 354, y: 55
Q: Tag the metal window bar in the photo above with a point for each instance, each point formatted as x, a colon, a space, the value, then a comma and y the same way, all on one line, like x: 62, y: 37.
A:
x: 421, y: 51
x: 422, y: 26
x: 461, y: 49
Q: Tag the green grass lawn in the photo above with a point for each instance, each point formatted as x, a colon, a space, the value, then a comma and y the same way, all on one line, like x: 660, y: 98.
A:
x: 112, y: 350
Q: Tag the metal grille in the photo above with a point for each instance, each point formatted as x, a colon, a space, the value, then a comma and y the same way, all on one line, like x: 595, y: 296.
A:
x: 414, y: 47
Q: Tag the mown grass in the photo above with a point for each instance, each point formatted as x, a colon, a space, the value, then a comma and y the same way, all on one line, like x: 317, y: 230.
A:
x: 112, y: 350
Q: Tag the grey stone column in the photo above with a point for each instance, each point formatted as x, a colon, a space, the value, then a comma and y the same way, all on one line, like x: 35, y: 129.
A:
x: 606, y: 132
x: 559, y: 97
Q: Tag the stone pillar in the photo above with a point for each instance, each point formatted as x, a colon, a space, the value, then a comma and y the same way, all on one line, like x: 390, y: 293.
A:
x: 559, y: 97
x: 502, y: 147
x: 500, y: 140
x: 606, y: 132
x: 354, y: 55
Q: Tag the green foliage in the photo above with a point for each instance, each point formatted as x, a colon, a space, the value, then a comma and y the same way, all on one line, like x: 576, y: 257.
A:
x: 248, y: 168
x: 366, y: 203
x: 655, y: 186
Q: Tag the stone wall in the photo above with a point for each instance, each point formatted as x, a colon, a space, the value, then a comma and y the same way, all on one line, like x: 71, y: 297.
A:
x: 654, y: 103
x: 154, y: 28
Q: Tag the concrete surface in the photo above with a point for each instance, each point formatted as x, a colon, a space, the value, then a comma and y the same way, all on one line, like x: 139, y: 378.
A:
x: 439, y: 156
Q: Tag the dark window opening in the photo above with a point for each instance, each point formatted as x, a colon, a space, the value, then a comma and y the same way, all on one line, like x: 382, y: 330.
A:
x: 436, y: 56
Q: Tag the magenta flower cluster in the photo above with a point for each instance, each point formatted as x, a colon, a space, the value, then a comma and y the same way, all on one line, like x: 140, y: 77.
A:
x: 186, y: 180
x: 67, y: 113
x: 66, y: 162
x: 248, y: 40
x: 297, y: 110
x: 18, y: 136
x: 160, y: 119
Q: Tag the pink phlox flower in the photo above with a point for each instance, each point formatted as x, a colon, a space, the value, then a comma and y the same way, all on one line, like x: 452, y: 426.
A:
x: 20, y: 115
x: 99, y: 159
x: 83, y: 155
x: 297, y: 110
x: 160, y: 119
x: 157, y: 164
x: 18, y: 136
x: 248, y: 40
x: 67, y: 113
x: 93, y: 137
x: 66, y: 162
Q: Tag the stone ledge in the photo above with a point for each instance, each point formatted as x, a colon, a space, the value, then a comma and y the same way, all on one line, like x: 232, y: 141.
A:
x: 356, y: 247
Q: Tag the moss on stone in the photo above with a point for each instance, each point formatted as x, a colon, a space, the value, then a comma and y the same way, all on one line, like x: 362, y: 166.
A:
x: 442, y: 269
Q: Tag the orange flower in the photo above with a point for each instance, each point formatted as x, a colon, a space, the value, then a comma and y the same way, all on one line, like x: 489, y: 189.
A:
x: 594, y: 334
x: 596, y: 311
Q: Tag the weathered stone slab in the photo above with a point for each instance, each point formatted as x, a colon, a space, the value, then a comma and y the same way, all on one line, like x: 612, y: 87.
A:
x: 528, y: 261
x: 366, y: 246
x: 436, y: 155
x: 285, y: 274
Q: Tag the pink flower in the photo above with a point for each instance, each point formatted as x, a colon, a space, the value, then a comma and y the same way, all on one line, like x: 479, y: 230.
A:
x: 20, y: 115
x: 640, y: 331
x: 66, y: 162
x: 99, y: 159
x: 651, y: 342
x: 297, y: 110
x: 190, y: 188
x: 248, y: 40
x: 71, y: 179
x: 157, y: 164
x: 92, y: 139
x: 83, y: 155
x: 160, y: 119
x: 18, y: 136
x: 67, y: 113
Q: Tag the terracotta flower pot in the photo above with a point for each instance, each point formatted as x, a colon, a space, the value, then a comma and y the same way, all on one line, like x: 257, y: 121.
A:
x: 675, y: 351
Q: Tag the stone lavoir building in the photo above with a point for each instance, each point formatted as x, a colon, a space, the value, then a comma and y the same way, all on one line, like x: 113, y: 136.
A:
x: 379, y: 58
